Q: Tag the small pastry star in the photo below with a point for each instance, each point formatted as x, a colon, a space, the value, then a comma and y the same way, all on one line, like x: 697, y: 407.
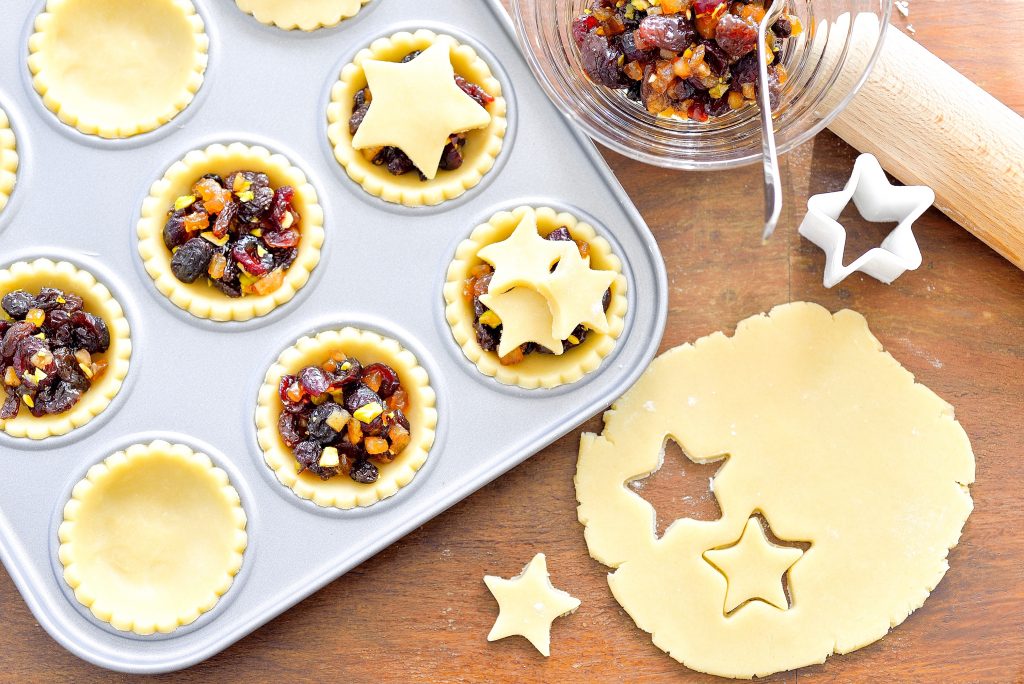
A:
x: 524, y: 258
x: 754, y: 568
x: 416, y: 107
x: 529, y: 604
x: 876, y: 200
x: 525, y: 317
x: 575, y: 293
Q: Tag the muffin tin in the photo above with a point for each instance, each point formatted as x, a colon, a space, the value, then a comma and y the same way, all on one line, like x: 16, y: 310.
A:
x: 195, y: 382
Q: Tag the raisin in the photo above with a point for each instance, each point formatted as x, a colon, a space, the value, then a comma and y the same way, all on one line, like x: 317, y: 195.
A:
x: 601, y: 61
x: 360, y: 397
x: 90, y: 332
x: 10, y: 407
x: 452, y: 157
x: 191, y: 260
x: 48, y: 298
x: 318, y: 428
x: 715, y: 57
x: 222, y: 226
x: 783, y: 27
x: 488, y: 338
x: 364, y: 472
x: 348, y: 376
x: 14, y: 336
x: 634, y: 52
x: 356, y: 120
x: 411, y: 56
x: 17, y: 304
x: 561, y: 234
x: 175, y: 234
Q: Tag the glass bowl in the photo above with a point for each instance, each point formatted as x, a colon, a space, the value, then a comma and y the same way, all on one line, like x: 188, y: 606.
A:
x: 827, y: 64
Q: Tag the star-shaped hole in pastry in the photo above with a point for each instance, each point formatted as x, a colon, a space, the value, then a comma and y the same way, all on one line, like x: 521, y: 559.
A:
x: 524, y: 258
x: 755, y: 569
x: 525, y: 317
x: 416, y: 106
x: 681, y: 488
x: 528, y: 604
x: 876, y: 200
x: 575, y: 293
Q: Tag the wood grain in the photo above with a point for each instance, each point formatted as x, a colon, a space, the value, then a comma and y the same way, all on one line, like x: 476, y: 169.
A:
x: 419, y: 611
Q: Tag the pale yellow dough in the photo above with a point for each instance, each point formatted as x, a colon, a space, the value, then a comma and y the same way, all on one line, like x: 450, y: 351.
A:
x: 97, y: 299
x: 8, y: 159
x: 484, y: 140
x: 503, y: 242
x: 152, y: 537
x: 307, y: 15
x: 342, y: 491
x: 201, y: 298
x: 528, y: 604
x: 831, y: 440
x: 118, y: 68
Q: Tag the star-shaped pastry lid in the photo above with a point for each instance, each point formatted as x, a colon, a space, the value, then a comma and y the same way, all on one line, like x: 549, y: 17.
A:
x: 575, y: 293
x: 529, y: 604
x: 754, y: 568
x: 416, y: 106
x: 525, y: 317
x: 877, y: 200
x: 524, y: 258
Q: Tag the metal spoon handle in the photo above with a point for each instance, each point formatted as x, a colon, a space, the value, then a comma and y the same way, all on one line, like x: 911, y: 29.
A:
x: 772, y: 182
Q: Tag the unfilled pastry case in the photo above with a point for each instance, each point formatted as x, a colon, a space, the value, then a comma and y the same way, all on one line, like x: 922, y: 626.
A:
x: 194, y: 381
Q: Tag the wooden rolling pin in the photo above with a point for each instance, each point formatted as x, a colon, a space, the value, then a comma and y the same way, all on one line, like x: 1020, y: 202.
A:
x: 929, y: 125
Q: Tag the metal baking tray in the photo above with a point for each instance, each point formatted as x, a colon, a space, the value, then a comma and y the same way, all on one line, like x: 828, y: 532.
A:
x: 195, y: 381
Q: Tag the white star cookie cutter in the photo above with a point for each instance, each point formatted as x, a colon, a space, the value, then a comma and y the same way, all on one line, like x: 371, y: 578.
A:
x: 876, y: 200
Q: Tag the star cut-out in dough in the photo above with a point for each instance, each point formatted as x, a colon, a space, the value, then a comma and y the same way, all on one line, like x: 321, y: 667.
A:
x: 876, y: 200
x: 525, y: 317
x: 524, y: 258
x: 754, y: 568
x: 416, y: 106
x: 575, y: 293
x: 528, y: 604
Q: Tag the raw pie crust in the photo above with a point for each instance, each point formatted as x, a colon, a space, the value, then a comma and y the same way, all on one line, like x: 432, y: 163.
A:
x: 152, y: 537
x: 831, y: 440
x: 98, y: 300
x: 536, y: 370
x: 307, y: 15
x: 8, y: 159
x: 341, y: 491
x: 200, y: 298
x: 144, y: 72
x: 482, y: 146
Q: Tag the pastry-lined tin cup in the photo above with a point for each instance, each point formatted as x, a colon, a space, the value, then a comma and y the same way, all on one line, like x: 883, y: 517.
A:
x: 382, y: 269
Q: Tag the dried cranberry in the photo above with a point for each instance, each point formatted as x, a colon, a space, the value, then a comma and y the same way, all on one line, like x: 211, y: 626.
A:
x: 314, y: 381
x: 281, y: 205
x: 561, y: 234
x: 706, y: 6
x: 735, y: 36
x: 10, y: 407
x: 665, y: 31
x: 287, y: 382
x: 600, y: 58
x: 282, y: 239
x: 581, y: 26
x: 389, y: 382
x: 348, y: 373
x: 17, y: 304
x: 482, y: 97
x: 289, y: 433
x: 191, y: 260
x: 246, y: 254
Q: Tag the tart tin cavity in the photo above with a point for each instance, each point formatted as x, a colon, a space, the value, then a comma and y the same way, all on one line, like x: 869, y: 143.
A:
x: 306, y: 15
x: 200, y: 298
x: 537, y: 370
x: 382, y: 269
x: 152, y: 537
x: 8, y: 159
x: 368, y: 347
x: 144, y: 73
x: 33, y: 275
x: 482, y: 148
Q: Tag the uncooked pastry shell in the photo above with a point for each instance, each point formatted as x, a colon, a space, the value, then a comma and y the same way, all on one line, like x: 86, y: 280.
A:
x: 830, y: 439
x: 307, y: 15
x: 368, y: 347
x: 8, y: 159
x: 200, y: 298
x: 536, y: 370
x: 143, y: 73
x: 152, y: 537
x: 98, y: 300
x: 482, y: 146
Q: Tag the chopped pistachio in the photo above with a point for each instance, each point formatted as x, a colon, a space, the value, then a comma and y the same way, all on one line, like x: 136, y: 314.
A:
x: 28, y: 401
x: 210, y: 237
x: 490, y: 319
x: 184, y: 202
x: 87, y: 370
x: 256, y: 233
x: 38, y: 375
x: 573, y: 339
x: 287, y: 221
x: 246, y: 196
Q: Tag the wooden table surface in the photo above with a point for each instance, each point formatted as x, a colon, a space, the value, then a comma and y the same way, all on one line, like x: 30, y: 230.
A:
x: 419, y: 611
